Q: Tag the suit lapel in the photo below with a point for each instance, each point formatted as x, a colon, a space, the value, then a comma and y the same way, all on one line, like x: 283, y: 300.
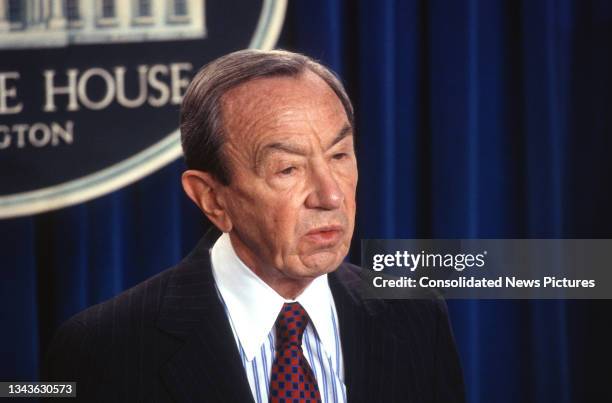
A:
x: 362, y: 340
x: 207, y: 366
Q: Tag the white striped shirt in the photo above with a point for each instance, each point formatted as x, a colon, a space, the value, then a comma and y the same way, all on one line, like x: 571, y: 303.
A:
x: 252, y: 307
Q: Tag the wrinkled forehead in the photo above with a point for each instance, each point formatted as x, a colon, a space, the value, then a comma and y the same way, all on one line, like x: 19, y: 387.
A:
x: 285, y: 105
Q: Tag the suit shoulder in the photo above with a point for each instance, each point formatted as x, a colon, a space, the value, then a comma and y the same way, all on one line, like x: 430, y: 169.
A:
x: 426, y: 307
x: 136, y: 306
x: 85, y: 343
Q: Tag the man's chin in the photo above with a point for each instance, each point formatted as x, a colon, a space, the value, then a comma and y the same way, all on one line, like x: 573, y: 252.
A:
x: 322, y: 262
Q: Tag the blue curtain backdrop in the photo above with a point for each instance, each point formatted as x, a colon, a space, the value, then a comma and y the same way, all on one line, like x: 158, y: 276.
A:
x: 482, y: 119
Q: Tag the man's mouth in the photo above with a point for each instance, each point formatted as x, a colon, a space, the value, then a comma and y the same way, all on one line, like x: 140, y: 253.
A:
x: 325, y: 236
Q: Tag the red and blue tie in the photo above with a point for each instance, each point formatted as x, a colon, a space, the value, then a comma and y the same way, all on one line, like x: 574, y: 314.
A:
x: 292, y: 380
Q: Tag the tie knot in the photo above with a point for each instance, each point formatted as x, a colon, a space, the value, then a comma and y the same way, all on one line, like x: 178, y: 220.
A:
x: 290, y: 324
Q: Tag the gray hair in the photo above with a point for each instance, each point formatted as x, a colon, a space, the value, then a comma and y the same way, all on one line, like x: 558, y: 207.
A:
x: 201, y: 124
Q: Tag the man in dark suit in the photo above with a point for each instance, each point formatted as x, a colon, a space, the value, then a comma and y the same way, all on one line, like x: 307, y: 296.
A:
x: 264, y: 309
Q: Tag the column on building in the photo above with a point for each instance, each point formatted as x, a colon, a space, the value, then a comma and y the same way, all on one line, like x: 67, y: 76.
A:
x: 5, y: 24
x: 28, y: 17
x: 124, y: 16
x: 44, y: 10
x: 57, y: 19
x: 34, y: 15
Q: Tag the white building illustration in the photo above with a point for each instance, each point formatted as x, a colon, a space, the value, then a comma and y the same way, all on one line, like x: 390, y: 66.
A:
x: 54, y: 23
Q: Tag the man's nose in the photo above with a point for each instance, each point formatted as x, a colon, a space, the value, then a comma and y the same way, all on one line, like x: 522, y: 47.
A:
x: 326, y: 194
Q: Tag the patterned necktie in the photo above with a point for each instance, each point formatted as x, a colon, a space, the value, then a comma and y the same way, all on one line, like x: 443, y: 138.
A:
x: 292, y: 379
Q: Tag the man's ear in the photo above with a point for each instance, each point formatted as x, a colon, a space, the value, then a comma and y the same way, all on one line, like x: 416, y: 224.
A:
x: 204, y: 190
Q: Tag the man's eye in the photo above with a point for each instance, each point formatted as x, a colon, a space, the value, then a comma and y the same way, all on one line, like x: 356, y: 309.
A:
x: 340, y: 156
x: 287, y: 171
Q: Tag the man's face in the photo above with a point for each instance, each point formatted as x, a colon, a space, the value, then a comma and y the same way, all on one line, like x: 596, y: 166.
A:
x: 291, y: 200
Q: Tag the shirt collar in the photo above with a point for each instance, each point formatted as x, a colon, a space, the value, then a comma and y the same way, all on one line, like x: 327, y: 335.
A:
x: 253, y: 305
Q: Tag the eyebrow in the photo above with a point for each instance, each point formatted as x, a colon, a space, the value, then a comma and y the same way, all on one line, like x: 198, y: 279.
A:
x: 347, y: 130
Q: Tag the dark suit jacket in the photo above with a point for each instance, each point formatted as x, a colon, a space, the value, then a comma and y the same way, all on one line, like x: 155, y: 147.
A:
x: 168, y: 339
